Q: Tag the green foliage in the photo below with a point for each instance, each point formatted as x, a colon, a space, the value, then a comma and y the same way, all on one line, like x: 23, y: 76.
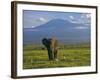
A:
x: 35, y: 56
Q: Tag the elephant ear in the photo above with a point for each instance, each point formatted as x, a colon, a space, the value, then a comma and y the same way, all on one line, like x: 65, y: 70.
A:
x: 45, y: 42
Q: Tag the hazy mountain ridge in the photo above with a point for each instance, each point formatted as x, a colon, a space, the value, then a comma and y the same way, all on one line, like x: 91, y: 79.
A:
x: 65, y: 31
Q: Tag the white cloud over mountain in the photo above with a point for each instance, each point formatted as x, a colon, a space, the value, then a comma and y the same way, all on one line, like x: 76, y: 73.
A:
x: 85, y: 18
x: 42, y: 19
x: 81, y: 27
x: 71, y: 17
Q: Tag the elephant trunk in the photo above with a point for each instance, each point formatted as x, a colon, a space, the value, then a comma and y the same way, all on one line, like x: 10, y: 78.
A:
x: 50, y: 54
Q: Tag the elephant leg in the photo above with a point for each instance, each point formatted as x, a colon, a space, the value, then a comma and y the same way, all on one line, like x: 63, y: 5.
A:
x: 55, y: 54
x: 50, y: 54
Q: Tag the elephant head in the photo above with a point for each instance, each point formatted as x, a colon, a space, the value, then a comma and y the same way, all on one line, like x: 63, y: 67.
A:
x: 51, y: 45
x: 46, y: 42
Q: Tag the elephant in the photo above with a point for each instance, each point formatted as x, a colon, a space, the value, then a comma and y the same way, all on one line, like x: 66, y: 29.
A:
x: 52, y: 47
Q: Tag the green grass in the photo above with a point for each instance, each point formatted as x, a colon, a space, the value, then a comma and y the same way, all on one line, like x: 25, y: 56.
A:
x: 71, y: 57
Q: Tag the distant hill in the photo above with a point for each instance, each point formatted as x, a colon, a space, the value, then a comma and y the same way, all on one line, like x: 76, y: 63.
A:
x: 64, y: 30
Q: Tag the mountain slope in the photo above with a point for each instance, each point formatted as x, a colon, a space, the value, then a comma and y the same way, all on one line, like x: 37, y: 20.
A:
x: 63, y: 30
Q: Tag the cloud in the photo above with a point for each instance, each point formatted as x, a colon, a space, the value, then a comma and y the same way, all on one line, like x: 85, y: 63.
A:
x: 74, y: 21
x: 88, y: 16
x: 42, y: 19
x: 71, y: 17
x: 38, y: 21
x: 81, y: 27
x: 33, y: 26
x: 85, y: 18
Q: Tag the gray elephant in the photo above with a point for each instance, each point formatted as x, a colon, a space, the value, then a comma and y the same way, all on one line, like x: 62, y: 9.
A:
x: 52, y: 47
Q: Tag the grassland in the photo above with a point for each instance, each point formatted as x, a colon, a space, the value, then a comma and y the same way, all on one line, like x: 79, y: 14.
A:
x: 68, y: 56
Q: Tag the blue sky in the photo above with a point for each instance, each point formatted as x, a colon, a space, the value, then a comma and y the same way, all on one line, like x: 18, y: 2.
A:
x: 33, y: 18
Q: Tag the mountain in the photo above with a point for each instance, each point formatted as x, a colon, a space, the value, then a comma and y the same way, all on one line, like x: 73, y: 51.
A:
x: 56, y: 23
x: 64, y: 30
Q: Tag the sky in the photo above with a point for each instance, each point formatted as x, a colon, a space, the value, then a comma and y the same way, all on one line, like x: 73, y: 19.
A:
x: 33, y: 18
